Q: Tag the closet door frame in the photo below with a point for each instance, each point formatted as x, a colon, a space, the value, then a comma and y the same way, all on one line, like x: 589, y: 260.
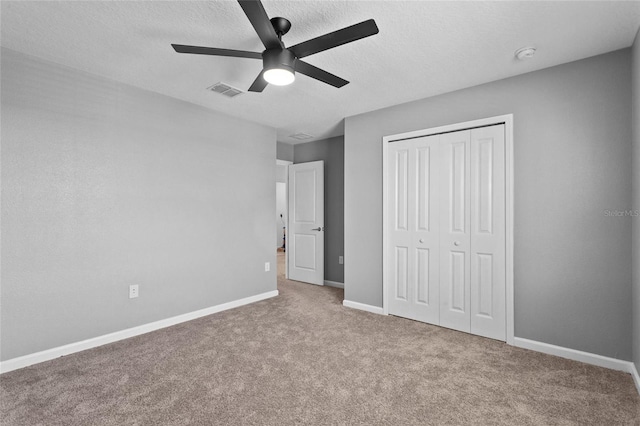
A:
x: 507, y: 120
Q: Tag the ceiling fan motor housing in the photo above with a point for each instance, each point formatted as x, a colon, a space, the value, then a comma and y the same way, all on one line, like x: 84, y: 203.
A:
x: 276, y: 58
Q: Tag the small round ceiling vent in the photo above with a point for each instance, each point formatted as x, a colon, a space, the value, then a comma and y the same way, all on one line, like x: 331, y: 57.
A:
x: 525, y: 53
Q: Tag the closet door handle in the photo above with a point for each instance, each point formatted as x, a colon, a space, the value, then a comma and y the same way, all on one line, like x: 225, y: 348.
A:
x: 456, y: 243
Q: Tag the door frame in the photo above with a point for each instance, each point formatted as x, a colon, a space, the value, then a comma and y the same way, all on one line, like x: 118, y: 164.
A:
x: 507, y: 120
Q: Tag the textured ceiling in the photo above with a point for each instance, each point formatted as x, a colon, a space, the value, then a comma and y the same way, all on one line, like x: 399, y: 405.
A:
x: 423, y: 49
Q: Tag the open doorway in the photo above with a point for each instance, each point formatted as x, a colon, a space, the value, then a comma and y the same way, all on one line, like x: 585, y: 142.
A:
x: 331, y: 152
x: 281, y: 214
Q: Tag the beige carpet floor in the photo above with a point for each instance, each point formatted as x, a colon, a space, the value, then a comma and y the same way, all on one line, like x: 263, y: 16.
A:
x: 302, y: 358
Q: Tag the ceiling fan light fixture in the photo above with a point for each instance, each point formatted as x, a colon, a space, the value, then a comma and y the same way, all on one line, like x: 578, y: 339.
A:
x: 279, y: 67
x: 279, y: 76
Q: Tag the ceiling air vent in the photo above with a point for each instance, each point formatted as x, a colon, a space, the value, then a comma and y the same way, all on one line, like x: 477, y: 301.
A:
x: 301, y: 136
x: 225, y: 89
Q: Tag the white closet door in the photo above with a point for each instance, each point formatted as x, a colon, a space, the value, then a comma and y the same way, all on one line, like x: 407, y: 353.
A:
x: 488, y: 232
x: 414, y: 229
x: 455, y: 233
x: 447, y: 235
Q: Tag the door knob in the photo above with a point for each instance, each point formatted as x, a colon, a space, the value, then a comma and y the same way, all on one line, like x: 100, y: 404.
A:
x: 421, y: 240
x: 317, y: 229
x: 456, y: 243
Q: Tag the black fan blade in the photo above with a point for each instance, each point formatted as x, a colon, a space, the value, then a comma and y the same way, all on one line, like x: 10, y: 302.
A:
x: 335, y: 39
x: 181, y: 48
x: 314, y: 72
x: 260, y: 21
x: 258, y: 84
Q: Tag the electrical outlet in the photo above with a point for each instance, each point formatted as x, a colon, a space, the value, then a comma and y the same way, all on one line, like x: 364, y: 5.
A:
x: 267, y: 266
x: 341, y: 260
x: 133, y: 291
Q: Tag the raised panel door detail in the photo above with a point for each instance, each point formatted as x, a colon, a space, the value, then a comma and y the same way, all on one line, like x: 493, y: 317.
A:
x: 458, y: 187
x: 485, y: 284
x: 305, y: 205
x: 402, y: 272
x: 422, y: 275
x: 424, y: 191
x: 484, y: 186
x: 305, y: 255
x: 402, y: 190
x: 457, y: 291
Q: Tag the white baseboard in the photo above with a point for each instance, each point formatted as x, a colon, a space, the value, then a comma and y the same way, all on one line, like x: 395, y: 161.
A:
x: 636, y: 376
x: 46, y: 355
x: 333, y: 284
x: 586, y: 357
x: 363, y: 307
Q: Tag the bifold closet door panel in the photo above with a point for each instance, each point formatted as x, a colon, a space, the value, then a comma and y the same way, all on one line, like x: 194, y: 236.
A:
x: 413, y: 229
x: 427, y: 229
x: 488, y: 243
x: 455, y: 232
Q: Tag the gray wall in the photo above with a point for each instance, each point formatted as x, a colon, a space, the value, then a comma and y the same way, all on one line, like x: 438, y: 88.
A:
x: 332, y: 152
x: 572, y: 161
x: 105, y: 185
x: 284, y: 151
x: 635, y: 68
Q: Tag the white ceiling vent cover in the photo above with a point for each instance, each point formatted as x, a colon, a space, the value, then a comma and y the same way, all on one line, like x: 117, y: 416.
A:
x: 225, y: 89
x: 301, y: 136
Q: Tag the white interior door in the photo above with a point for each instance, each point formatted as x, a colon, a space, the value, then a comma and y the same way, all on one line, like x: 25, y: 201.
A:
x: 414, y: 232
x: 305, y: 239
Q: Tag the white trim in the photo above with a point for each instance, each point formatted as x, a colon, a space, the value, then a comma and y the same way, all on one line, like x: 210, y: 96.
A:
x: 333, y: 284
x: 636, y: 376
x: 363, y: 307
x: 509, y: 235
x: 46, y: 355
x: 509, y: 199
x: 385, y: 214
x: 573, y: 354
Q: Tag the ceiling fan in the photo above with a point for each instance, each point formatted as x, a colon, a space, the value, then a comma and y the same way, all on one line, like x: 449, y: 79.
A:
x: 280, y: 63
